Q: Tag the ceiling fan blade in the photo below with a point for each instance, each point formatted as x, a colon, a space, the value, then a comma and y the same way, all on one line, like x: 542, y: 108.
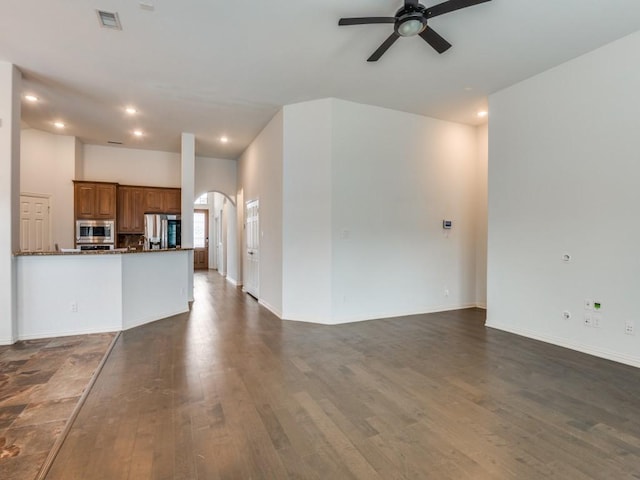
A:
x: 438, y: 43
x: 366, y: 20
x: 384, y: 47
x: 450, y: 6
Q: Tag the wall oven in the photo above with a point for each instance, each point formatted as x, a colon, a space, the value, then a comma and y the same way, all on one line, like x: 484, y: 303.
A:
x: 95, y: 232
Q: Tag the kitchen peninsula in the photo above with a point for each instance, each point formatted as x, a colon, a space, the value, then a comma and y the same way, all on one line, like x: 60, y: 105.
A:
x: 90, y: 292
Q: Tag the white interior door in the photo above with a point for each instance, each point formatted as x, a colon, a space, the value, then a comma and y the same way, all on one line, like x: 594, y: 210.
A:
x: 34, y: 223
x: 252, y: 253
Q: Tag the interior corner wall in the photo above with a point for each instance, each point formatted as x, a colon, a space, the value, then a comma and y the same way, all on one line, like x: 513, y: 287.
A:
x: 395, y: 177
x: 48, y: 166
x: 481, y: 219
x: 129, y: 166
x: 563, y: 179
x: 307, y: 232
x: 260, y: 178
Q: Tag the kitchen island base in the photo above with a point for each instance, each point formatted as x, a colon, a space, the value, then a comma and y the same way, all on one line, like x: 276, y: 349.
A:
x: 73, y: 294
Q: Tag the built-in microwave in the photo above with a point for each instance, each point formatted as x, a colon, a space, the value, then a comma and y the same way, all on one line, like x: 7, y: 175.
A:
x: 95, y: 232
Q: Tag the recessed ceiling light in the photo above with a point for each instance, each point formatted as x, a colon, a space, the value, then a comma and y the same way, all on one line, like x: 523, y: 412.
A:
x: 483, y: 113
x: 138, y: 133
x: 224, y: 139
x: 31, y: 98
x: 58, y: 124
x: 131, y: 110
x: 109, y: 19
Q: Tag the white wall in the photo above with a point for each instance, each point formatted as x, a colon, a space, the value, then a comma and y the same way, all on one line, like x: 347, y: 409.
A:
x: 260, y: 177
x: 216, y: 175
x: 48, y: 166
x: 130, y: 166
x: 154, y: 286
x: 563, y: 178
x: 49, y: 285
x: 10, y: 90
x: 365, y: 193
x: 395, y: 177
x: 231, y: 242
x: 307, y: 229
x: 481, y: 203
x: 217, y: 212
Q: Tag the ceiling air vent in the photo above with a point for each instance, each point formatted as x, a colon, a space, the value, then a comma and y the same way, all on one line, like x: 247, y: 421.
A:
x: 112, y: 142
x: 109, y: 20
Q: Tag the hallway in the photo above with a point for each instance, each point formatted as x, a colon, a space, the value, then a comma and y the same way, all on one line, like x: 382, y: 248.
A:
x: 228, y: 391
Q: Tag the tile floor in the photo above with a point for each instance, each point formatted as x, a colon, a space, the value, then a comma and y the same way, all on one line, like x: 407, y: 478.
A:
x: 41, y: 382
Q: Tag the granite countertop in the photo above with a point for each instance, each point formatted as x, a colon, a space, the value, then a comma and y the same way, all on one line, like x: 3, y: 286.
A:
x: 117, y: 251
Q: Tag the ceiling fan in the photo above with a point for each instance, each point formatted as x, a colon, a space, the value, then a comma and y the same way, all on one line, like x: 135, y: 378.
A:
x: 411, y: 20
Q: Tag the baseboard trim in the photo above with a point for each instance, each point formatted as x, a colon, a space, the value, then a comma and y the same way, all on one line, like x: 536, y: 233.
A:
x: 380, y: 316
x: 154, y: 318
x: 271, y: 308
x: 7, y: 341
x: 232, y: 281
x: 560, y: 342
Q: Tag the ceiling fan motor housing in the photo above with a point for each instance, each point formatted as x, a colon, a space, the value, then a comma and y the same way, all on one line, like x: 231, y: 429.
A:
x: 411, y: 20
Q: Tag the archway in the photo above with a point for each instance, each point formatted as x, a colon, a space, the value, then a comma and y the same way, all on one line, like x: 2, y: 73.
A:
x: 222, y: 232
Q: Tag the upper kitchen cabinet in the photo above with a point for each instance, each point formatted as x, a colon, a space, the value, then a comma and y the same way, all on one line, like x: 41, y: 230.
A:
x: 153, y: 200
x: 95, y: 200
x: 131, y: 209
x: 172, y: 200
x: 162, y: 200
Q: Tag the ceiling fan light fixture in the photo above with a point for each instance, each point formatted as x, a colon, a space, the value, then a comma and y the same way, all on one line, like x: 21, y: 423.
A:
x: 410, y: 26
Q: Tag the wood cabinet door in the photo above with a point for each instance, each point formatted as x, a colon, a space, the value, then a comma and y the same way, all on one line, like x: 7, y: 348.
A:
x: 85, y: 197
x: 172, y: 200
x: 137, y: 210
x: 105, y: 206
x: 131, y: 210
x: 153, y: 200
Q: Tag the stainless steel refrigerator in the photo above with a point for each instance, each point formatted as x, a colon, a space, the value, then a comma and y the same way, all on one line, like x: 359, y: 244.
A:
x: 162, y: 231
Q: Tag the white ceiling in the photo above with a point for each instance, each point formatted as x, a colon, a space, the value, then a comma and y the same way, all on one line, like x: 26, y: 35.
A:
x: 214, y: 67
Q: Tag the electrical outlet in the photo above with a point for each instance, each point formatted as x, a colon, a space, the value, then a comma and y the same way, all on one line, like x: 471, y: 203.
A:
x: 587, y: 320
x: 629, y: 327
x: 596, y: 320
x: 588, y: 304
x: 74, y: 307
x: 446, y: 292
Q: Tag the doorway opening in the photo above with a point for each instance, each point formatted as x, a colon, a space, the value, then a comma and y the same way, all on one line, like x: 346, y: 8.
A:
x: 200, y: 239
x: 220, y: 235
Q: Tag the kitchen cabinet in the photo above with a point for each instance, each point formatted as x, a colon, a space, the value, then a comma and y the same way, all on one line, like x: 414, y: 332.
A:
x: 172, y: 199
x: 131, y: 210
x: 134, y: 202
x: 94, y: 200
x: 162, y: 200
x: 153, y: 200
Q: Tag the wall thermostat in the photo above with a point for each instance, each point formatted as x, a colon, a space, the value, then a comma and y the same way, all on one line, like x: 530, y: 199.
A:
x: 447, y: 224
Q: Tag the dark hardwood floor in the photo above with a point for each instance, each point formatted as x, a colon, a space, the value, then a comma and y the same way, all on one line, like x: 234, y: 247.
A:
x: 228, y: 391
